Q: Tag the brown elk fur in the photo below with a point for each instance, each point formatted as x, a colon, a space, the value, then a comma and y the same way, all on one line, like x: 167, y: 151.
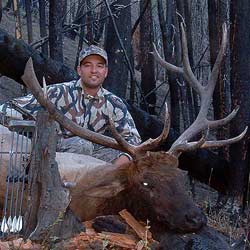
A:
x: 111, y: 189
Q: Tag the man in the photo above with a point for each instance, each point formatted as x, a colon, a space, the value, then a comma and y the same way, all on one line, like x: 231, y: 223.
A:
x: 88, y: 104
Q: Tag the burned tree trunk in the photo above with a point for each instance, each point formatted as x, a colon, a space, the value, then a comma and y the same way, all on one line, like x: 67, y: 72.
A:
x: 117, y: 64
x: 147, y: 62
x: 217, y: 12
x: 18, y: 25
x: 15, y: 53
x: 1, y: 10
x: 240, y: 75
x: 29, y: 20
x: 55, y: 30
x: 42, y: 25
x: 168, y: 48
x: 48, y: 212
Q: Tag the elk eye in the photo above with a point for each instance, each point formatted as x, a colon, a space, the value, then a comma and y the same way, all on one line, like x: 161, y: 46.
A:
x: 145, y: 184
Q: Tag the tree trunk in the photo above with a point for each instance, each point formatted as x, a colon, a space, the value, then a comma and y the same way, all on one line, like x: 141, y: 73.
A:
x: 240, y: 89
x: 48, y: 214
x: 75, y: 17
x: 8, y: 5
x: 118, y: 76
x: 189, y: 109
x: 29, y: 20
x: 18, y: 26
x: 217, y: 14
x: 101, y: 24
x: 80, y: 42
x: 147, y: 61
x: 1, y: 10
x: 55, y: 30
x: 170, y: 56
x: 15, y: 53
x: 42, y: 25
x: 90, y: 22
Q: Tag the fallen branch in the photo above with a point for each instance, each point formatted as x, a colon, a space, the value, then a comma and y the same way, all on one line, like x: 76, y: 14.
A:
x: 137, y: 227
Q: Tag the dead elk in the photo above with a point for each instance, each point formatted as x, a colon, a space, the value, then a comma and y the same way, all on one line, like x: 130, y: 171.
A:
x: 151, y: 187
x: 152, y: 179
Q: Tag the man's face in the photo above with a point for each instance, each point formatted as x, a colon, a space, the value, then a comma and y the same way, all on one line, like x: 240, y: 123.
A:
x: 93, y: 71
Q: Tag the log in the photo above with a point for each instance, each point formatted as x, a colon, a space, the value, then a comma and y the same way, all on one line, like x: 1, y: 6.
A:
x: 15, y: 53
x: 137, y: 227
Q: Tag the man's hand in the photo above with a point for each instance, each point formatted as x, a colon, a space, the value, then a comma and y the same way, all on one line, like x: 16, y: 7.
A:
x: 121, y: 160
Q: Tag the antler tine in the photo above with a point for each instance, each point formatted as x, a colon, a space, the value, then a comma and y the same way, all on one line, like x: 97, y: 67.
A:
x: 225, y: 120
x: 202, y: 143
x: 189, y: 146
x: 221, y: 143
x: 147, y: 145
x: 32, y: 83
x: 153, y: 143
x: 187, y: 71
x: 165, y: 64
x: 129, y: 148
x: 215, y: 71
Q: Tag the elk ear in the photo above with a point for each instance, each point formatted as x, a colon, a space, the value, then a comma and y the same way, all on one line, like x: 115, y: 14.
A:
x: 105, y: 190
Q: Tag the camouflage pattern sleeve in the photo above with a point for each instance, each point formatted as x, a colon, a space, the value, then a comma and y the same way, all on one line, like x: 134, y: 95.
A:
x: 123, y: 120
x: 27, y: 103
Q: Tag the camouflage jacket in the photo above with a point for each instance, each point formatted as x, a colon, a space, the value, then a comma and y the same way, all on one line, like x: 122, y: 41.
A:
x: 87, y: 111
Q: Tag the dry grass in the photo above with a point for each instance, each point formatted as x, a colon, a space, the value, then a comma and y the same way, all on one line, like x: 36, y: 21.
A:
x: 222, y: 222
x: 229, y: 220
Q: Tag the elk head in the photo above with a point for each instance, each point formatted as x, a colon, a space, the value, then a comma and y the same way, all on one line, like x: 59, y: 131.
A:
x: 154, y: 175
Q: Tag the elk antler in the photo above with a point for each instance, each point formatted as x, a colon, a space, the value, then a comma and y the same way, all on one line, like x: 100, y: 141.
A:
x: 201, y: 123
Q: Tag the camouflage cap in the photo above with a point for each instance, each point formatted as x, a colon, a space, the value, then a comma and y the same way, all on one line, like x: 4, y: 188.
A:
x: 93, y: 50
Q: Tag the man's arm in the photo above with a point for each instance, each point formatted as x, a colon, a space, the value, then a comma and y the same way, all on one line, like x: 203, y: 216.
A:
x: 24, y: 107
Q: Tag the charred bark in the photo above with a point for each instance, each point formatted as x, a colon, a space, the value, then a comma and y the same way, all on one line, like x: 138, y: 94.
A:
x: 240, y: 75
x: 18, y: 25
x: 188, y: 95
x: 55, y: 30
x: 90, y: 34
x: 48, y: 214
x: 29, y: 20
x: 217, y: 11
x: 80, y: 42
x: 168, y: 49
x: 15, y: 53
x: 42, y: 25
x: 117, y: 64
x: 147, y: 62
x: 1, y: 10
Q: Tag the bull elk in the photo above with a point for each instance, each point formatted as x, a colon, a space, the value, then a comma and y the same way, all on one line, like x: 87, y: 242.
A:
x: 151, y: 185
